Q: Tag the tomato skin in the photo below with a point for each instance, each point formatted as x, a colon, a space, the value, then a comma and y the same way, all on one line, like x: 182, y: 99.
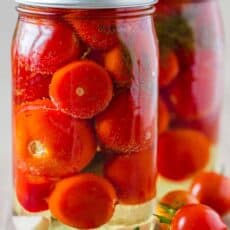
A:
x: 163, y: 116
x: 118, y: 63
x: 50, y: 45
x: 133, y: 176
x: 169, y: 68
x: 197, y: 216
x: 33, y: 191
x: 28, y: 85
x: 98, y: 33
x: 81, y: 89
x: 174, y: 200
x: 177, y: 199
x: 182, y: 153
x: 50, y: 143
x: 213, y: 190
x: 84, y: 201
x: 122, y: 127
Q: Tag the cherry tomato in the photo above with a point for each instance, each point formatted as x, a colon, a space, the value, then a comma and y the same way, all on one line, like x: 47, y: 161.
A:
x: 121, y: 127
x: 213, y: 190
x: 169, y: 68
x: 197, y: 216
x: 48, y: 45
x: 98, y: 33
x: 84, y: 201
x: 171, y: 202
x: 50, y: 143
x: 118, y: 63
x: 133, y: 175
x: 33, y: 191
x: 163, y: 116
x: 181, y: 153
x: 29, y: 86
x: 81, y: 89
x: 177, y: 199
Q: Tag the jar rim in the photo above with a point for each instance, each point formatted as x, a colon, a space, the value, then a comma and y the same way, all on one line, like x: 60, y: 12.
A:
x: 87, y: 4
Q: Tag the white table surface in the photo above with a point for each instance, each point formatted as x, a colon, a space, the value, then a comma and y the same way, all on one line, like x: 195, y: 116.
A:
x: 7, y: 22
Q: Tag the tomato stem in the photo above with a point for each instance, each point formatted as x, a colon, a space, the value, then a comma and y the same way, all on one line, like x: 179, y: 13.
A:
x: 168, y: 209
x: 163, y: 220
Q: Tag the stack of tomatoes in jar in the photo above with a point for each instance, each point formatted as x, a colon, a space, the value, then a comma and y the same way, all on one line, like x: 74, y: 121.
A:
x: 84, y: 121
x: 190, y: 82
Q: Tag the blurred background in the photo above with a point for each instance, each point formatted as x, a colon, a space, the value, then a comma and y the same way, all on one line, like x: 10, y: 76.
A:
x: 8, y: 18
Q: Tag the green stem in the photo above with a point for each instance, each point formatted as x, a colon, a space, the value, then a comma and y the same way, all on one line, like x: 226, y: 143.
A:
x: 163, y: 219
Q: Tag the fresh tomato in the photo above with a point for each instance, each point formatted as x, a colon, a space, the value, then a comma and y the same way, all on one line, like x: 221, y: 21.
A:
x: 51, y: 143
x: 163, y: 116
x: 118, y: 63
x: 213, y: 190
x: 121, y: 127
x: 33, y: 191
x: 197, y: 216
x: 84, y: 201
x: 169, y: 68
x: 81, y: 89
x: 133, y: 175
x: 177, y: 199
x: 98, y: 33
x: 48, y: 45
x: 173, y: 201
x: 182, y: 153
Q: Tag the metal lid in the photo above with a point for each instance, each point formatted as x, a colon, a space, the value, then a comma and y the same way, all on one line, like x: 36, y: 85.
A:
x: 87, y: 4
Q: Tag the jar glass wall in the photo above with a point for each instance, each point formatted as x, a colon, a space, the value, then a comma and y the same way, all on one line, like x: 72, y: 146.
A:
x: 85, y: 116
x: 190, y: 81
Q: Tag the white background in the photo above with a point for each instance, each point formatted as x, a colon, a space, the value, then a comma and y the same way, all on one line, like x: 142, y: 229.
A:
x: 8, y: 17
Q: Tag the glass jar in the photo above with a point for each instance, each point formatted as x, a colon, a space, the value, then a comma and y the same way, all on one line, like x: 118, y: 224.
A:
x: 85, y: 113
x: 190, y: 82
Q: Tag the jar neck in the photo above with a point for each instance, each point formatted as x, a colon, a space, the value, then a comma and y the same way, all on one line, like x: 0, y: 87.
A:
x: 89, y: 13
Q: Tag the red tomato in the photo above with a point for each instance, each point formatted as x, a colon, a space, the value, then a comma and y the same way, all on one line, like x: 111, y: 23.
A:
x: 33, y: 191
x: 177, y: 199
x: 169, y: 68
x: 197, y: 216
x: 163, y: 116
x: 98, y: 33
x: 50, y: 143
x: 44, y: 45
x: 213, y: 190
x: 29, y: 86
x: 121, y: 127
x: 133, y: 175
x: 81, y: 89
x: 171, y: 202
x: 182, y: 153
x: 85, y: 201
x: 118, y: 63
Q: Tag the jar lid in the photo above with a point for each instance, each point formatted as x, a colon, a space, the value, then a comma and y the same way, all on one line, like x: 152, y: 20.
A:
x: 87, y: 4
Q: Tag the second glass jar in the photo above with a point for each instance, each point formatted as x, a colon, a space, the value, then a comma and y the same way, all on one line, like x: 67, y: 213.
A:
x: 190, y: 81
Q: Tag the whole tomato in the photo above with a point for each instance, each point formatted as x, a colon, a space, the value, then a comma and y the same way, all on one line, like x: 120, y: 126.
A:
x: 197, y: 217
x: 213, y: 190
x: 182, y: 153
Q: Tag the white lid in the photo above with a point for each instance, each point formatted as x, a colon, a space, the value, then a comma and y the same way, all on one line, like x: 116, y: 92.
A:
x: 87, y: 4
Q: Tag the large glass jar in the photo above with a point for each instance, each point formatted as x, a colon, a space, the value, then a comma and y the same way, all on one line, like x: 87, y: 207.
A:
x: 190, y: 82
x: 85, y: 113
